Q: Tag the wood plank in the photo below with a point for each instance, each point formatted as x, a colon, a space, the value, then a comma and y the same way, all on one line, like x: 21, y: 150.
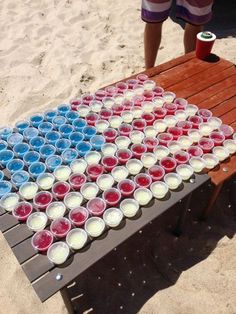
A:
x: 7, y: 221
x: 224, y: 107
x: 218, y: 175
x: 37, y: 266
x: 229, y: 117
x: 48, y: 285
x: 234, y: 126
x: 24, y: 251
x: 17, y: 234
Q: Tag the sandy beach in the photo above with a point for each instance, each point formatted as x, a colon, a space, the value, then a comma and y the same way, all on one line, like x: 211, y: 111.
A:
x: 52, y: 51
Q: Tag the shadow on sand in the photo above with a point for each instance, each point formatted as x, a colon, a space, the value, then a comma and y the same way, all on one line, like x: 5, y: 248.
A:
x: 153, y: 260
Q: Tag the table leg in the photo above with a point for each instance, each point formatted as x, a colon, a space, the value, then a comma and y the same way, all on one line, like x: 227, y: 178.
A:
x: 67, y: 301
x: 211, y: 201
x: 181, y: 220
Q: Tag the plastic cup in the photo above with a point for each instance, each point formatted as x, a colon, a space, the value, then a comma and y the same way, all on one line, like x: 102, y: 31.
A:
x: 74, y: 103
x: 45, y: 181
x: 97, y: 141
x: 66, y: 130
x: 161, y: 152
x: 22, y: 211
x: 215, y: 122
x: 101, y: 125
x: 217, y: 137
x: 136, y: 137
x: 21, y: 149
x: 148, y: 117
x: 83, y: 148
x: 137, y: 112
x: 111, y: 196
x: 150, y: 131
x: 79, y: 124
x: 76, y: 238
x: 83, y: 110
x: 227, y: 130
x: 5, y: 188
x: 69, y: 155
x: 134, y: 166
x: 42, y: 240
x: 129, y: 94
x: 160, y: 125
x: 205, y: 114
x: 19, y: 177
x: 22, y: 125
x: 92, y: 157
x: 185, y: 142
x: 125, y: 129
x: 181, y: 115
x: 120, y: 173
x: 6, y: 156
x: 159, y: 189
x: 14, y: 138
x: 76, y: 180
x: 210, y: 160
x: 15, y: 165
x: 191, y: 110
x: 75, y: 138
x: 50, y: 114
x: 3, y: 145
x: 159, y: 112
x: 221, y: 153
x: 176, y: 132
x: 52, y: 137
x: 89, y: 131
x: 62, y: 144
x: 94, y: 171
x: 87, y: 98
x: 60, y: 189
x: 108, y: 102
x: 194, y: 135
x: 123, y: 155
x: 185, y: 126
x: 181, y: 103
x: 71, y: 116
x: 37, y: 142
x: 96, y: 206
x: 63, y: 109
x: 53, y: 161
x: 168, y: 164
x: 173, y: 180
x: 78, y: 166
x: 170, y: 120
x: 105, y: 181
x: 142, y: 77
x: 58, y: 253
x: 62, y: 173
x: 9, y: 201
x: 42, y: 200
x: 138, y: 150
x: 109, y: 162
x: 89, y: 190
x: 73, y: 200
x: 105, y: 114
x: 148, y: 95
x: 139, y: 124
x: 195, y: 151
x: 149, y: 84
x: 142, y: 180
x: 36, y: 168
x: 185, y: 171
x: 110, y: 134
x: 45, y: 127
x: 126, y: 187
x: 156, y: 173
x: 196, y: 121
x: 205, y: 129
x: 111, y: 90
x: 91, y: 118
x: 206, y: 144
x: 181, y: 157
x: 60, y: 227
x: 204, y: 44
x: 129, y: 207
x: 127, y: 116
x: 28, y: 190
x: 100, y: 94
x: 55, y: 210
x: 170, y: 108
x: 197, y: 163
x: 109, y: 149
x: 143, y: 196
x: 158, y: 101
x: 36, y: 119
x: 117, y: 110
x: 173, y: 146
x: 78, y: 216
x: 230, y: 145
x: 127, y: 104
x: 165, y: 138
x: 94, y: 226
x: 5, y: 132
x: 122, y: 142
x: 47, y: 150
x: 131, y: 83
x: 169, y: 97
x: 148, y: 160
x: 37, y: 221
x: 113, y: 217
x: 150, y: 143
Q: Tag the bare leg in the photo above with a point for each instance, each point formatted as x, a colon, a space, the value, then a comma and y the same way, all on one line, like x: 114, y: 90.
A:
x: 152, y: 40
x: 190, y: 34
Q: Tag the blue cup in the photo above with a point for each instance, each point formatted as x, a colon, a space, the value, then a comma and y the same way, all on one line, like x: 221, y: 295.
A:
x: 3, y: 145
x: 63, y: 109
x: 47, y: 150
x: 97, y: 141
x: 75, y: 138
x: 14, y: 138
x: 45, y: 127
x: 6, y: 156
x: 66, y: 130
x: 5, y: 132
x: 15, y: 165
x: 52, y: 137
x: 79, y: 124
x: 89, y: 131
x: 36, y: 168
x: 22, y: 125
x: 69, y: 155
x: 31, y: 157
x: 71, y: 116
x: 5, y: 187
x: 62, y: 144
x: 37, y: 142
x: 53, y: 161
x: 1, y: 175
x: 50, y: 114
x: 36, y: 119
x: 21, y: 149
x: 58, y: 121
x: 30, y: 133
x: 83, y: 148
x: 20, y: 177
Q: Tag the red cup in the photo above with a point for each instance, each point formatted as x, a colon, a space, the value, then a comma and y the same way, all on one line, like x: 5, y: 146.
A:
x: 227, y: 130
x: 110, y: 135
x: 168, y: 164
x: 217, y: 137
x: 111, y: 196
x: 171, y: 108
x: 185, y: 126
x: 181, y: 157
x: 60, y: 189
x: 205, y: 114
x: 126, y: 187
x: 139, y: 124
x: 148, y: 117
x: 142, y: 180
x: 158, y: 91
x: 60, y: 227
x: 87, y: 98
x: 195, y: 151
x: 164, y: 138
x: 206, y: 144
x: 78, y: 216
x: 22, y: 211
x: 117, y: 109
x: 122, y: 87
x: 196, y: 120
x: 204, y: 44
x: 109, y: 162
x: 96, y: 206
x: 91, y: 118
x: 105, y: 114
x: 125, y: 129
x: 148, y: 95
x: 100, y: 94
x: 150, y: 143
x: 42, y: 240
x: 42, y: 200
x: 76, y: 180
x: 156, y: 172
x: 94, y: 170
x: 175, y: 131
x: 74, y: 104
x: 160, y: 113
x: 142, y: 78
x: 123, y: 155
x: 138, y: 150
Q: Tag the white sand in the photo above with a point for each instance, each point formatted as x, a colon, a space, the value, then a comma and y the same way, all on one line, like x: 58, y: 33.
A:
x: 51, y: 51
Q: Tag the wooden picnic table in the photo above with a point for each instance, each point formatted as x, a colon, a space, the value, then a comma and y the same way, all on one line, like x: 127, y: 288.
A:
x: 207, y: 84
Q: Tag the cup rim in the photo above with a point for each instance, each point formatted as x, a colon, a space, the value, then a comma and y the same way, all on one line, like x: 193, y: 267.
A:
x: 37, y: 233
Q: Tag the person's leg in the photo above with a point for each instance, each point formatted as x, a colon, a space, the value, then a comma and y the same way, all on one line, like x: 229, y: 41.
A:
x: 190, y: 33
x: 152, y: 40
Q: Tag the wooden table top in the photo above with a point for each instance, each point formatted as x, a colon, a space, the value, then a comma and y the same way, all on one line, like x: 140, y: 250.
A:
x: 207, y: 84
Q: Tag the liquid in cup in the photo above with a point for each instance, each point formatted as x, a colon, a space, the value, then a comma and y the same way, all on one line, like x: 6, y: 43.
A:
x: 60, y: 227
x: 78, y: 216
x: 42, y: 200
x: 136, y: 137
x: 227, y: 130
x: 15, y: 165
x: 125, y: 129
x: 148, y: 160
x: 105, y: 181
x: 181, y: 157
x: 37, y: 168
x: 161, y: 151
x: 53, y: 161
x: 111, y: 196
x: 91, y: 118
x: 230, y: 145
x: 173, y: 180
x: 105, y: 114
x: 22, y: 211
x: 110, y: 135
x: 89, y: 190
x: 197, y: 163
x: 58, y: 253
x: 37, y: 221
x: 115, y: 122
x: 122, y: 142
x: 205, y: 114
x: 73, y: 200
x: 101, y: 125
x: 52, y: 137
x: 55, y: 210
x: 206, y: 144
x: 156, y: 172
x: 28, y: 190
x: 159, y: 189
x: 21, y: 149
x: 220, y: 152
x: 83, y: 148
x: 94, y: 226
x: 76, y: 180
x: 78, y: 165
x: 175, y: 131
x: 142, y: 180
x: 129, y: 207
x: 120, y: 173
x: 47, y: 150
x: 109, y: 149
x: 45, y: 127
x: 62, y: 173
x: 143, y: 196
x: 109, y: 162
x: 211, y: 160
x: 126, y: 187
x: 96, y: 206
x: 134, y: 166
x: 123, y: 155
x: 185, y: 171
x: 42, y: 240
x: 69, y: 155
x: 9, y: 201
x: 195, y: 151
x: 112, y: 217
x: 168, y: 164
x: 19, y: 177
x: 76, y: 239
x: 150, y: 143
x: 94, y: 170
x: 60, y: 189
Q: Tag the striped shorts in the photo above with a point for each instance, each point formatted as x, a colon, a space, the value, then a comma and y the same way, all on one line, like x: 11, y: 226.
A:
x: 196, y: 12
